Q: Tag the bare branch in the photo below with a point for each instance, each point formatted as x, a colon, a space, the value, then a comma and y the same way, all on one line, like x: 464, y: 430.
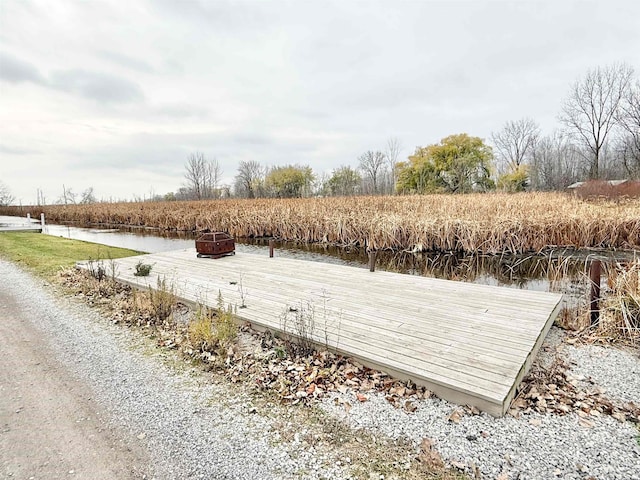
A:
x: 392, y: 153
x: 515, y: 143
x: 592, y: 109
x: 372, y: 164
x: 249, y: 179
x: 5, y: 195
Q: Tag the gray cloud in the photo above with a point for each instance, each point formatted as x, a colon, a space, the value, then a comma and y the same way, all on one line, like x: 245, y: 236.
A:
x: 251, y: 139
x: 225, y: 15
x: 181, y: 111
x: 127, y: 61
x: 17, y: 71
x: 17, y: 150
x: 101, y: 87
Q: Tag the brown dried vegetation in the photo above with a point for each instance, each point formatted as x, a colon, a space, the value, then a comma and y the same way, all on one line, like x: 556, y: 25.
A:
x: 489, y: 223
x: 552, y: 389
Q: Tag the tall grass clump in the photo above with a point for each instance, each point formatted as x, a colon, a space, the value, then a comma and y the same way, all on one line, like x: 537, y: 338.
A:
x: 163, y: 300
x: 621, y: 312
x: 213, y: 330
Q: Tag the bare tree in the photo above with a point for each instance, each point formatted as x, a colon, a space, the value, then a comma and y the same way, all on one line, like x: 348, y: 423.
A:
x: 629, y: 119
x: 372, y: 164
x: 249, y: 179
x: 215, y: 175
x: 196, y: 170
x: 68, y: 196
x: 202, y: 176
x: 591, y: 110
x: 514, y: 143
x: 88, y: 196
x: 392, y: 153
x: 555, y: 163
x: 5, y: 195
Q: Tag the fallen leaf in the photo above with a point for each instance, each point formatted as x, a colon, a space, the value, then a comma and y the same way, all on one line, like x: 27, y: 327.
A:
x: 586, y: 423
x: 620, y: 416
x: 410, y: 407
x: 455, y: 416
x: 536, y: 422
x: 428, y: 454
x: 361, y: 397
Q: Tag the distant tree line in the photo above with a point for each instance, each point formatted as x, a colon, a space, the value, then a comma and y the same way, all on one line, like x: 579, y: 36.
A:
x: 598, y: 138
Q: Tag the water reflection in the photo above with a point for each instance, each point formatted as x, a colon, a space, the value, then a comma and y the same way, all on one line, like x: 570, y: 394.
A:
x: 141, y: 241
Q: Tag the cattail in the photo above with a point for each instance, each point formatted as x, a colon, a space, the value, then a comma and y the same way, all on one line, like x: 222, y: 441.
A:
x: 479, y: 223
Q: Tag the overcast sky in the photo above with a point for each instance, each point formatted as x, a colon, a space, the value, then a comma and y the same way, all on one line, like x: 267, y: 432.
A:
x: 116, y: 94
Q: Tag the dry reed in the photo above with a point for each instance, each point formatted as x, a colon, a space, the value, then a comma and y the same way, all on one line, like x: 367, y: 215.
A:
x: 488, y: 223
x: 621, y: 307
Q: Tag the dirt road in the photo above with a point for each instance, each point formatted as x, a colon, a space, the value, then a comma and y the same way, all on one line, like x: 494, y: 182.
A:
x: 49, y: 425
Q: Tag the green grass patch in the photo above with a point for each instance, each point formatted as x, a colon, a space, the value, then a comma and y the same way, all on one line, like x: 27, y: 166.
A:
x: 45, y: 255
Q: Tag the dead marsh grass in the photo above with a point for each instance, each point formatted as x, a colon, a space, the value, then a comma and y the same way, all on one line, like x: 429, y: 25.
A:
x: 488, y: 223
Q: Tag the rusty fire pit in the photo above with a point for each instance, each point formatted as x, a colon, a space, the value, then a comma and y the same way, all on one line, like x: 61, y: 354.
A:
x: 215, y: 245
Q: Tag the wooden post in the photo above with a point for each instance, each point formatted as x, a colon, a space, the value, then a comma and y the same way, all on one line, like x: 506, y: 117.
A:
x: 594, y: 277
x: 372, y: 260
x: 42, y: 219
x: 271, y: 242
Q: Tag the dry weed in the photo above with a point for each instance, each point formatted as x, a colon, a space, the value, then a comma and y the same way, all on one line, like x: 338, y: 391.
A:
x: 490, y: 223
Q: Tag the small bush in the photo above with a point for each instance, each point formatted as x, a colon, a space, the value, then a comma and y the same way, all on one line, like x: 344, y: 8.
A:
x: 97, y: 269
x: 298, y: 324
x: 163, y: 300
x: 213, y: 329
x: 142, y: 269
x: 201, y: 332
x: 593, y: 189
x: 514, y: 181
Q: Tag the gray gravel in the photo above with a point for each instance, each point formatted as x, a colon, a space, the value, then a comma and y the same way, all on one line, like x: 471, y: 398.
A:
x: 617, y: 371
x: 534, y: 446
x: 193, y: 430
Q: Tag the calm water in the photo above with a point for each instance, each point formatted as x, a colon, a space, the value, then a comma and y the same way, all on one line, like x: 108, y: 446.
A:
x: 559, y: 271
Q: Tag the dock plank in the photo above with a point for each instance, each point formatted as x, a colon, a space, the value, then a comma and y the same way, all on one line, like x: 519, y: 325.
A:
x: 468, y: 343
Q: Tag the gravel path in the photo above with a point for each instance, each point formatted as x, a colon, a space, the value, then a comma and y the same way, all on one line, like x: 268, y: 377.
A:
x: 192, y: 429
x: 533, y: 446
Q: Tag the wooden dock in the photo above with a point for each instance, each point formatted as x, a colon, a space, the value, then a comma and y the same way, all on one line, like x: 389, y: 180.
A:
x: 470, y: 344
x: 20, y: 228
x: 19, y: 224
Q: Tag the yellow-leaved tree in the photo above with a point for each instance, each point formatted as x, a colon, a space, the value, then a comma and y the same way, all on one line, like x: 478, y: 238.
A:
x: 458, y: 164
